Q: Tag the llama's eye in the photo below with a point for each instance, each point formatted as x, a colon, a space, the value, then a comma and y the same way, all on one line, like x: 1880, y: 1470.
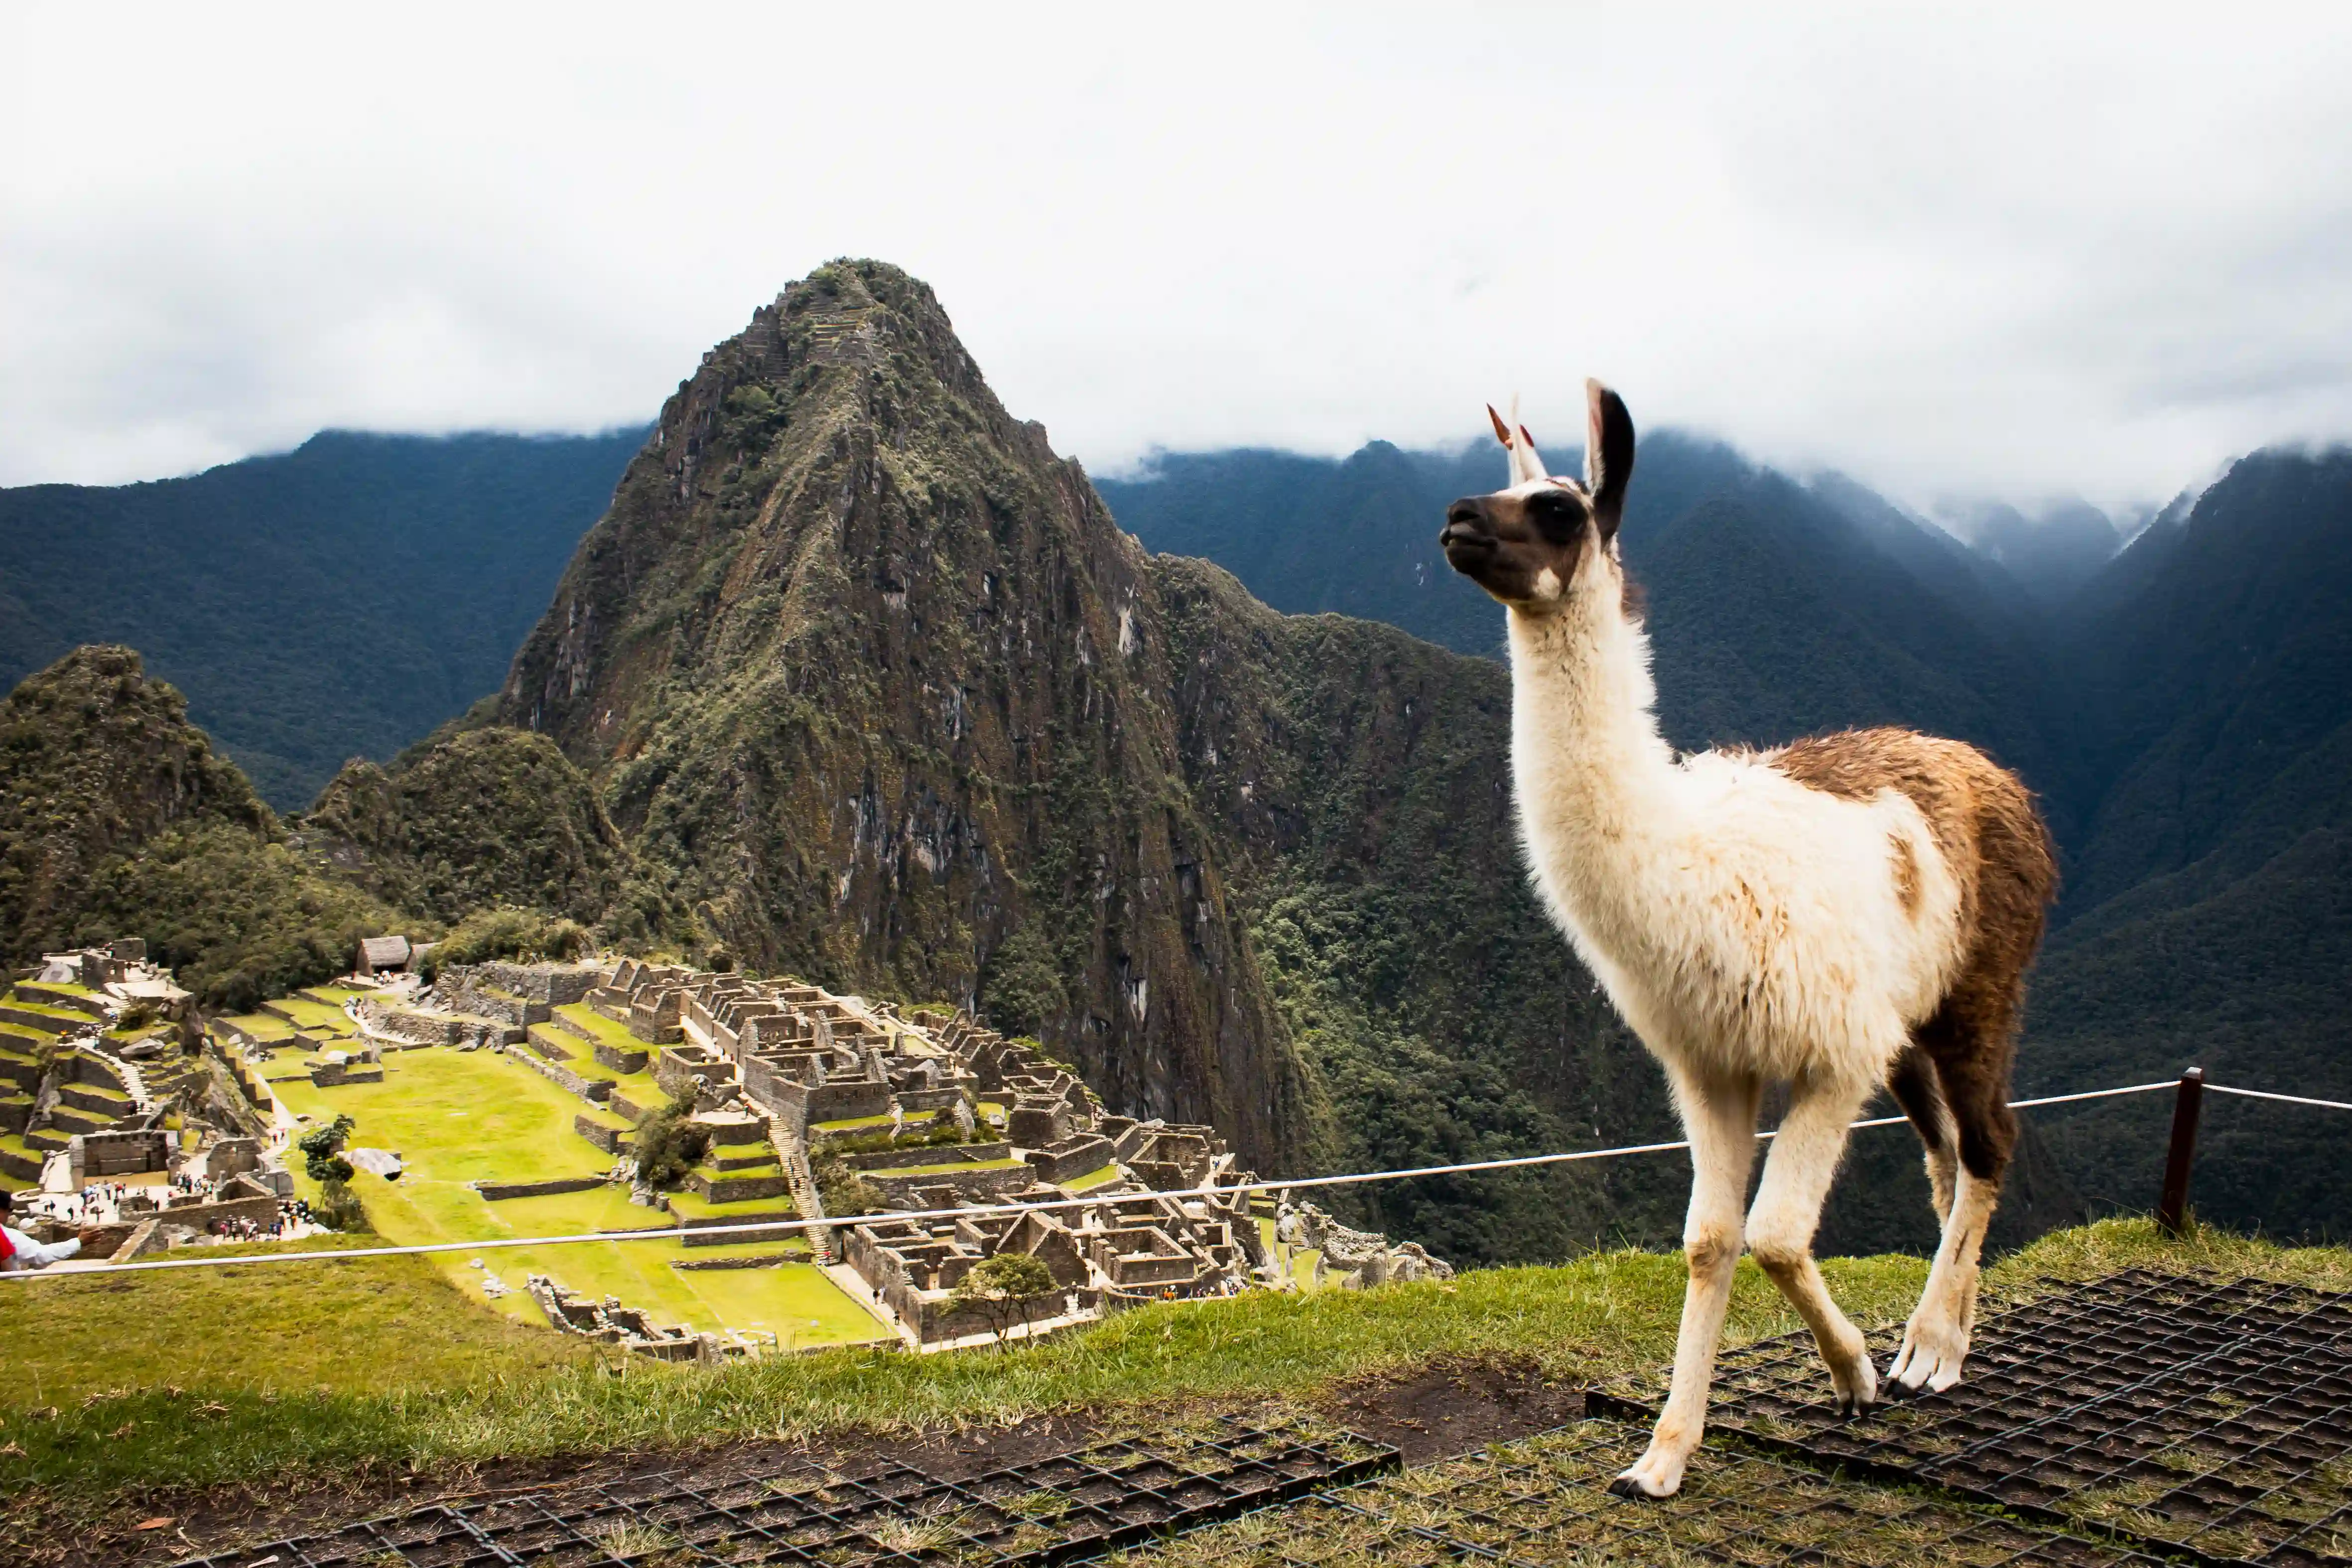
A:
x: 1554, y: 516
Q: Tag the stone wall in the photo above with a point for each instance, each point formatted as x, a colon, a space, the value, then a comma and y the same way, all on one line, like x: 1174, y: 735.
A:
x: 594, y: 1090
x: 968, y: 1183
x: 555, y: 984
x: 619, y: 1060
x: 498, y: 1191
x: 101, y: 1155
x: 726, y: 1189
x: 608, y: 1139
x: 947, y: 1155
x: 1071, y: 1158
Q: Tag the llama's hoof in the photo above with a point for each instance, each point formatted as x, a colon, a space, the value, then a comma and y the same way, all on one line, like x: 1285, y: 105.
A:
x: 1654, y: 1475
x: 1855, y: 1389
x: 1930, y: 1359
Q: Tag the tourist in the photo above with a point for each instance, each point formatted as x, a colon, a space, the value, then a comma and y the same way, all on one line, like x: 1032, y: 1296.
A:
x: 19, y: 1251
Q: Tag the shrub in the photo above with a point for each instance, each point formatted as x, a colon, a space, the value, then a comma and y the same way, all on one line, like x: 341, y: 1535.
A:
x: 508, y: 932
x: 668, y: 1144
x: 1021, y: 990
x: 843, y: 1191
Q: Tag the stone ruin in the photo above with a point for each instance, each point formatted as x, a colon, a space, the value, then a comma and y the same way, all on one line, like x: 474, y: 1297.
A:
x: 611, y: 1323
x: 1363, y: 1258
x: 118, y: 972
x: 1126, y: 1250
x: 932, y: 1112
x: 104, y: 1077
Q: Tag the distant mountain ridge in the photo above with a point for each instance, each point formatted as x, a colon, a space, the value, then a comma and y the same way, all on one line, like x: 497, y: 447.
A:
x: 340, y: 599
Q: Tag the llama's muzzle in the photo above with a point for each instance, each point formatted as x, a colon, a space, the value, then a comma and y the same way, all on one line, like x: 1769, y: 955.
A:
x: 1469, y: 537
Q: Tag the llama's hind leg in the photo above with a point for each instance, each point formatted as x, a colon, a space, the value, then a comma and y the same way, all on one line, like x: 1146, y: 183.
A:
x: 1913, y: 1084
x: 1720, y: 1118
x: 1935, y: 1340
x: 1787, y: 1211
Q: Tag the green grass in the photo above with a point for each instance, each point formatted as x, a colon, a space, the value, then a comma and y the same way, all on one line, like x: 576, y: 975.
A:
x: 688, y: 1206
x: 334, y: 995
x: 746, y: 1172
x: 68, y: 986
x: 850, y: 1124
x: 945, y: 1165
x: 406, y: 1395
x: 600, y: 1027
x: 325, y: 1323
x: 313, y: 1015
x: 65, y: 1015
x: 1092, y: 1180
x: 262, y: 1026
x: 462, y: 1116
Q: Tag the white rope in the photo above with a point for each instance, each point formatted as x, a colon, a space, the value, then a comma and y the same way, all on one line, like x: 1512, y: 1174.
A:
x: 2284, y: 1098
x: 772, y: 1227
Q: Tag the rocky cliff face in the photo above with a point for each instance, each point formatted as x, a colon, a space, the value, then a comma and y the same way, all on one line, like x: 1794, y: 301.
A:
x: 872, y: 675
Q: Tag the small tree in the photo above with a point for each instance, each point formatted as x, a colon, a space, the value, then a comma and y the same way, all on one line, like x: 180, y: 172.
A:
x: 1000, y: 1291
x: 323, y: 1147
x: 668, y: 1144
x: 339, y: 1206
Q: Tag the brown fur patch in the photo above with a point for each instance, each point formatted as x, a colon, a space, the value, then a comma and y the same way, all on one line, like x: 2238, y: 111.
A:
x: 1906, y: 873
x: 1632, y: 599
x: 2000, y: 851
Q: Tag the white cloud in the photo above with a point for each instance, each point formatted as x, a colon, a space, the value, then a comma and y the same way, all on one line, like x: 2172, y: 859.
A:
x: 2014, y: 252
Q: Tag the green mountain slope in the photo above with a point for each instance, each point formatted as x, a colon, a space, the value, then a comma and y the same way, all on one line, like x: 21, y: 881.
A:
x: 870, y: 673
x: 339, y: 600
x: 482, y: 817
x: 117, y: 818
x: 2210, y: 915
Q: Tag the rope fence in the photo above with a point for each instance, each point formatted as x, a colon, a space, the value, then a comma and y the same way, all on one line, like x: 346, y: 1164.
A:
x: 2170, y: 1211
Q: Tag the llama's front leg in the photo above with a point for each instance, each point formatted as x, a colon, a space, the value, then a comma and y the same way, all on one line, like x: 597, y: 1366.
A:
x: 1935, y: 1340
x: 1797, y: 1173
x: 1720, y: 1119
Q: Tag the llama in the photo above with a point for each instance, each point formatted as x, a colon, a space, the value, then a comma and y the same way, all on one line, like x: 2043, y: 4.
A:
x: 1851, y: 910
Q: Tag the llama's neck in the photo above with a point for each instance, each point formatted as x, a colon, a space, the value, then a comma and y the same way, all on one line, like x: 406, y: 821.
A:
x: 1595, y: 779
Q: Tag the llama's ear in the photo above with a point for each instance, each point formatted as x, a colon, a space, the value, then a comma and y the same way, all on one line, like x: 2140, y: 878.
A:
x: 1608, y: 456
x: 1525, y: 464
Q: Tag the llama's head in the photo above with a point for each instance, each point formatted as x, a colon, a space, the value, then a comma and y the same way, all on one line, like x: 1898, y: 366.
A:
x: 1540, y: 543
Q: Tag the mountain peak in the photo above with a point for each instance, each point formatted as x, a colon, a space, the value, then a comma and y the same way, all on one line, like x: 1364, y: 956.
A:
x: 871, y: 674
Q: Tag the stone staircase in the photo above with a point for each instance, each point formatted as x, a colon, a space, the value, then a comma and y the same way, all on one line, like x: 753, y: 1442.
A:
x: 792, y: 1156
x: 135, y: 1082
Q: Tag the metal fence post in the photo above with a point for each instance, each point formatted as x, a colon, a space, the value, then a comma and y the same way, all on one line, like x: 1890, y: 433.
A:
x: 2172, y: 1208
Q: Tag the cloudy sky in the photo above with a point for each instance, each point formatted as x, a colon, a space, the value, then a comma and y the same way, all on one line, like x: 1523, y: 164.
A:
x: 1976, y: 254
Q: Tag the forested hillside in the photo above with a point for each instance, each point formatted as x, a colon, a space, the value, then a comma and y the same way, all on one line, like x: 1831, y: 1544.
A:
x: 339, y: 600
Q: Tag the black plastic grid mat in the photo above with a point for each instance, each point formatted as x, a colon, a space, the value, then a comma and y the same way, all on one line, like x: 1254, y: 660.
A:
x: 2190, y: 1413
x: 1544, y: 1500
x: 1055, y: 1510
